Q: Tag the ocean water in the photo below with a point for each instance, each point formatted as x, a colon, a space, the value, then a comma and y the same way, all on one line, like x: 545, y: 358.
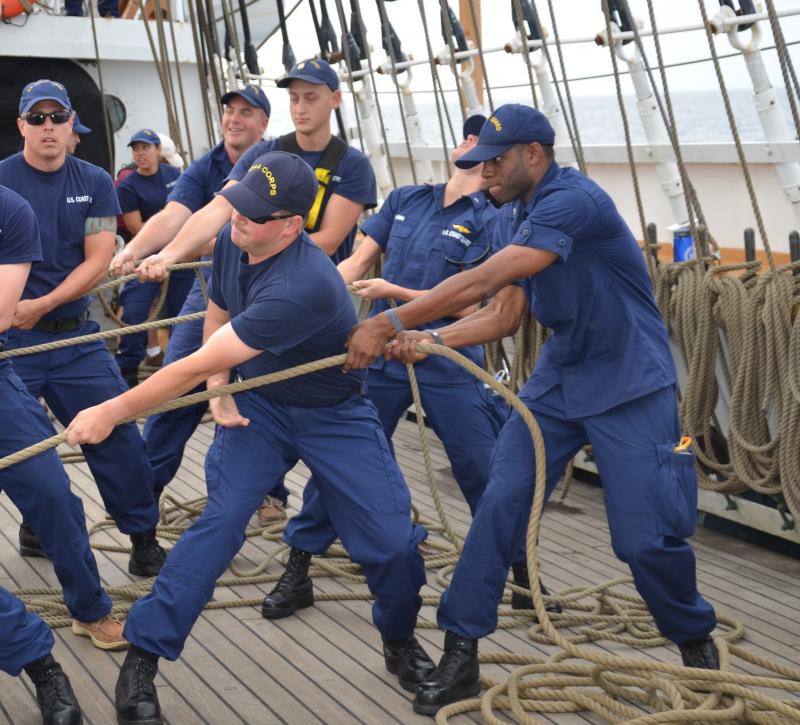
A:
x: 700, y: 116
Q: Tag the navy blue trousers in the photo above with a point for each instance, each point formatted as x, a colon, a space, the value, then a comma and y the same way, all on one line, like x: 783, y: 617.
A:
x: 77, y: 377
x: 137, y: 299
x: 359, y: 484
x: 651, y: 503
x: 465, y: 417
x: 40, y: 489
x: 24, y: 637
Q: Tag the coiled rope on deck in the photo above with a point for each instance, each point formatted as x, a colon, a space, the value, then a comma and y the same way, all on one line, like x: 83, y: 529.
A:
x: 619, y: 689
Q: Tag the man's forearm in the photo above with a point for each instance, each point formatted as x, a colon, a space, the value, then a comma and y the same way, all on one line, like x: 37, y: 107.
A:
x: 196, y: 232
x: 168, y: 383
x: 77, y: 283
x: 158, y: 230
x: 485, y: 325
x: 446, y: 299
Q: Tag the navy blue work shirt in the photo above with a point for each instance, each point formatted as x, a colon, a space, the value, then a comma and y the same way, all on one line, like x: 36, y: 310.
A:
x: 205, y: 176
x: 425, y: 242
x: 147, y: 194
x: 609, y: 343
x: 62, y: 201
x: 354, y: 180
x: 293, y: 306
x: 19, y: 233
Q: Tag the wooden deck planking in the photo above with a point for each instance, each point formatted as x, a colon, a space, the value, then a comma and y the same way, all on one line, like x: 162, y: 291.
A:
x: 325, y: 664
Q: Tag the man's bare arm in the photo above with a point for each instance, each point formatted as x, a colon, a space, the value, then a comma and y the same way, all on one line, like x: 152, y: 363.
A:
x: 97, y: 251
x: 222, y: 351
x: 453, y: 294
x: 156, y: 233
x: 190, y: 240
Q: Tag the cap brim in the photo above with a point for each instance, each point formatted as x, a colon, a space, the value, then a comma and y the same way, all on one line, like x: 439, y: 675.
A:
x: 60, y: 101
x: 481, y: 153
x: 80, y: 128
x: 143, y: 140
x: 247, y: 202
x: 286, y: 80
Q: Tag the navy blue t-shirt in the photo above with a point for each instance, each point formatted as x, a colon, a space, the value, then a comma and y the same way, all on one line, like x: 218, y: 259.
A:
x: 609, y: 343
x: 354, y: 180
x: 424, y: 243
x: 62, y: 201
x: 205, y: 176
x: 147, y: 194
x: 296, y: 308
x: 19, y: 233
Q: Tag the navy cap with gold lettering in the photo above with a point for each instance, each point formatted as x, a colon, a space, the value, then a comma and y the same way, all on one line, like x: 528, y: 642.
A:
x: 276, y: 181
x: 313, y: 70
x: 508, y: 126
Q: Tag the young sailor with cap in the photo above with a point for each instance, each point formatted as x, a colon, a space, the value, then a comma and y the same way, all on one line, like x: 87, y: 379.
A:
x: 244, y: 121
x: 346, y: 188
x: 76, y: 207
x: 276, y: 301
x: 39, y: 487
x: 143, y: 194
x: 605, y: 376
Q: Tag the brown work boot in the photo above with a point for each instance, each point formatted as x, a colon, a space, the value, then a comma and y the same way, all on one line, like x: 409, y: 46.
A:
x: 271, y: 511
x: 105, y: 633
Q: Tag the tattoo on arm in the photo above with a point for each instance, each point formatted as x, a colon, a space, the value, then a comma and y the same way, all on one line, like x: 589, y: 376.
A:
x: 96, y: 224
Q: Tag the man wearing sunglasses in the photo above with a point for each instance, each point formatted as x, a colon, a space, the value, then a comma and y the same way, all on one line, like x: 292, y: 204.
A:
x: 275, y: 302
x: 76, y: 208
x: 605, y: 376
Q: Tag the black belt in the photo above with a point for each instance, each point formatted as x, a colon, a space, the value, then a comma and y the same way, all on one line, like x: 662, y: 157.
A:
x: 61, y: 324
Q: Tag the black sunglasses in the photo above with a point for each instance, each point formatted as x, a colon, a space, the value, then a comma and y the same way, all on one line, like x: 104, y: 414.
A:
x: 269, y: 218
x: 37, y: 118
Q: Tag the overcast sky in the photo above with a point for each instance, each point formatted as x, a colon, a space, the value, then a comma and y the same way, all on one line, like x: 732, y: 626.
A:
x: 575, y: 18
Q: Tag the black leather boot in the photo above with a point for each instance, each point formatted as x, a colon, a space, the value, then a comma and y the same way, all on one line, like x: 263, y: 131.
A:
x: 29, y: 544
x: 456, y: 677
x: 135, y: 695
x: 57, y: 701
x: 406, y: 659
x: 700, y: 653
x: 522, y: 601
x: 293, y: 591
x: 147, y: 557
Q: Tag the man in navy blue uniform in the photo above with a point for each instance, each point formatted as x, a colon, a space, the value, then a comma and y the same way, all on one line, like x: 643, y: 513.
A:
x: 605, y: 376
x: 244, y: 121
x: 142, y: 195
x: 276, y: 301
x: 39, y: 487
x: 346, y: 188
x: 427, y: 233
x: 76, y: 207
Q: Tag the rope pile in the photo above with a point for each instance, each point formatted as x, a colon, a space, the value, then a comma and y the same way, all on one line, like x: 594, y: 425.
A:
x: 620, y: 689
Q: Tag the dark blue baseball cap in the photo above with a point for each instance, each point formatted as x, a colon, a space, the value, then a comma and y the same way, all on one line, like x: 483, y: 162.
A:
x: 474, y: 124
x: 312, y: 70
x: 78, y: 127
x: 252, y: 94
x: 509, y: 125
x: 276, y: 181
x: 146, y: 135
x: 43, y: 90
